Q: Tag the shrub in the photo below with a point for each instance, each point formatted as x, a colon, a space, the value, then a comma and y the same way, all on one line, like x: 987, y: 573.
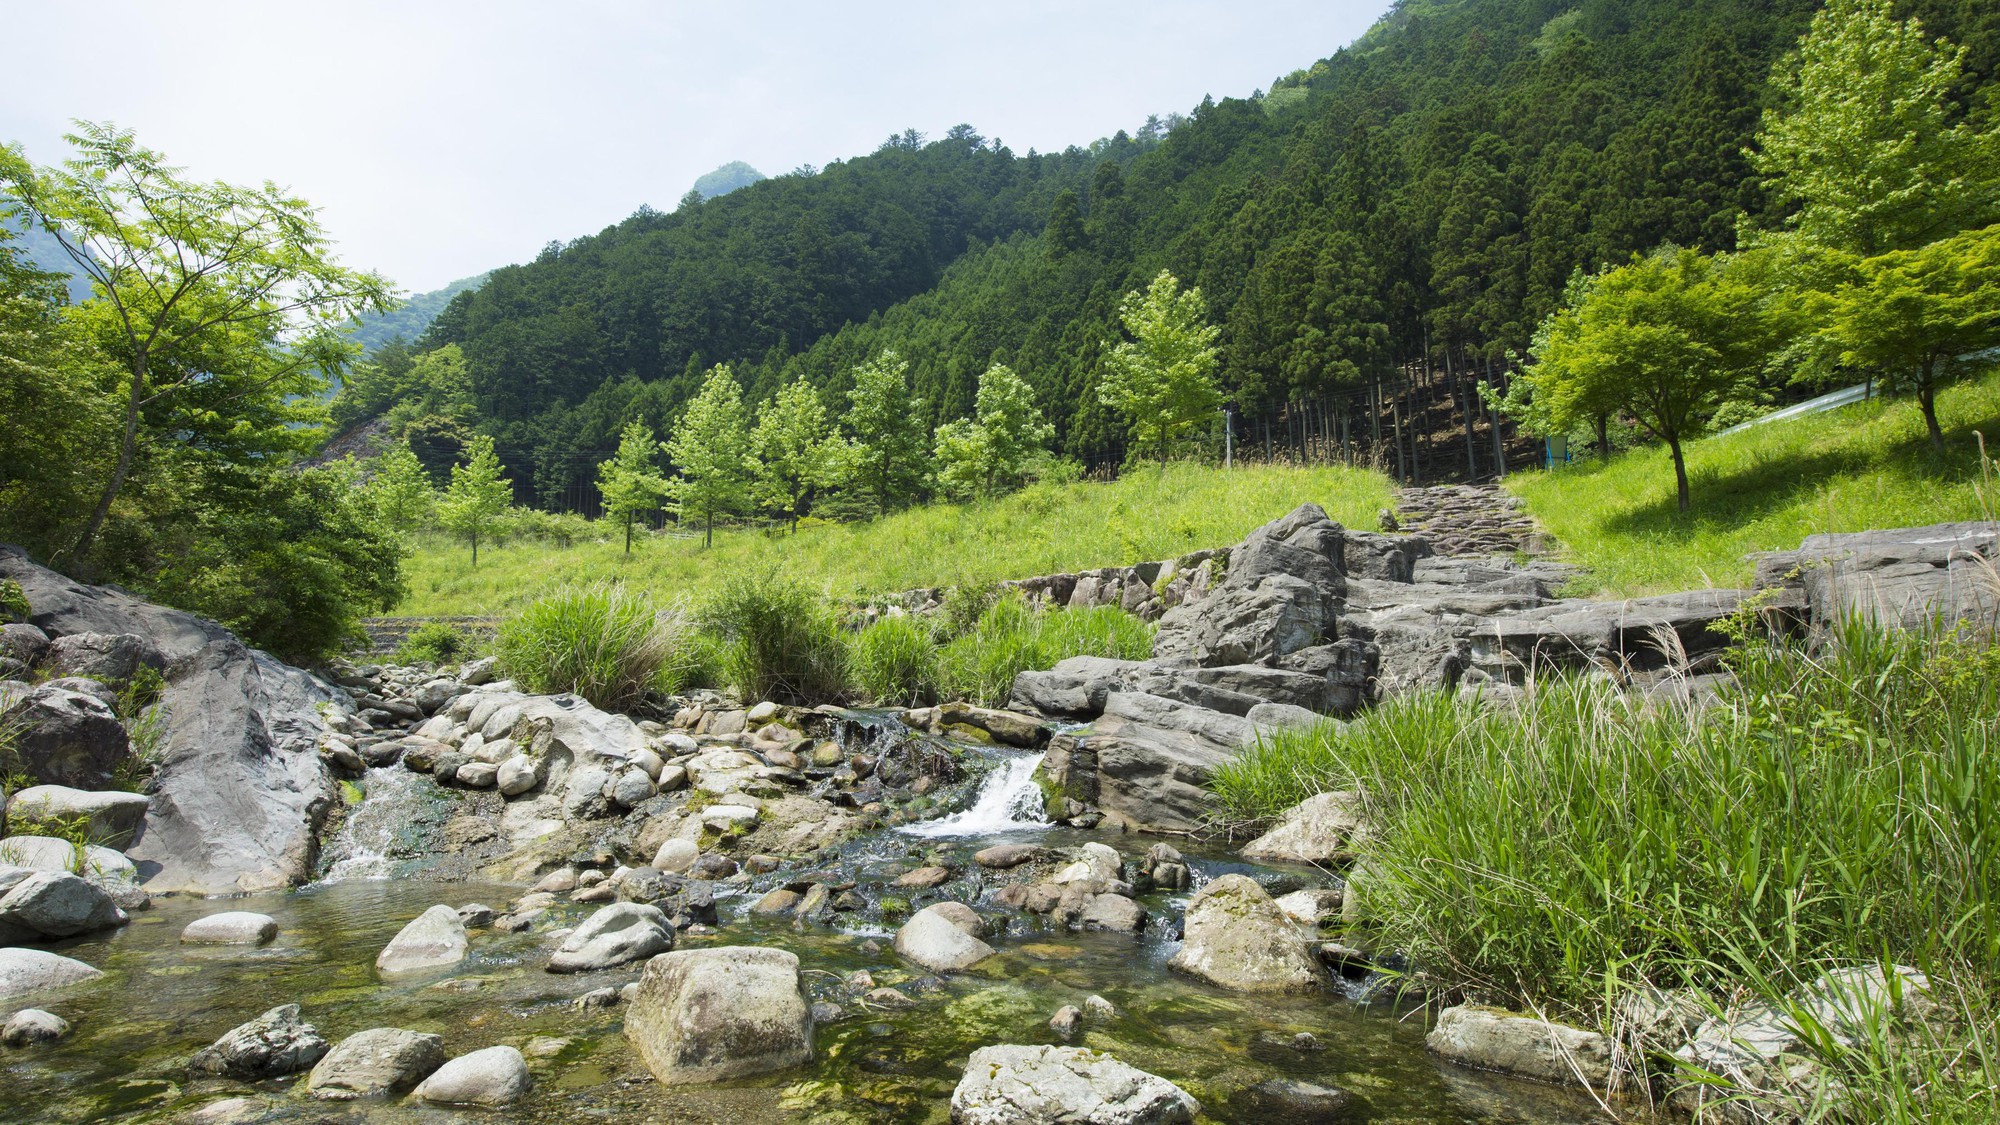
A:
x: 13, y: 602
x: 894, y: 661
x: 779, y: 639
x: 435, y: 642
x: 1012, y: 637
x: 961, y: 609
x: 599, y: 641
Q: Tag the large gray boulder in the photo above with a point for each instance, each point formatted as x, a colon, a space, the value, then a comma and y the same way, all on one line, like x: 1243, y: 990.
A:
x: 1493, y: 1039
x: 616, y: 934
x: 1238, y: 938
x: 372, y: 1063
x: 106, y: 657
x: 33, y: 1025
x: 943, y: 939
x: 112, y: 816
x: 67, y: 738
x: 495, y: 1076
x: 706, y: 1015
x: 25, y: 971
x: 1022, y: 1085
x: 273, y: 1045
x: 1322, y: 829
x: 1282, y: 593
x: 432, y: 940
x: 57, y: 904
x: 240, y: 791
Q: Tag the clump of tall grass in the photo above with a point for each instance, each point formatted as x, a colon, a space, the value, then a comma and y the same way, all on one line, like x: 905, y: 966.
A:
x: 1012, y: 636
x: 601, y: 641
x: 1840, y: 803
x: 895, y: 661
x: 779, y: 639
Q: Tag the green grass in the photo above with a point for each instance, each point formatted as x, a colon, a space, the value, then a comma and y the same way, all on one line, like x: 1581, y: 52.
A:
x: 1842, y: 807
x: 598, y: 640
x: 1044, y: 529
x: 1858, y: 467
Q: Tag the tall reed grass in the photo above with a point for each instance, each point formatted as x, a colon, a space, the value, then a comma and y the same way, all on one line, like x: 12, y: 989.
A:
x: 1840, y: 804
x: 601, y: 641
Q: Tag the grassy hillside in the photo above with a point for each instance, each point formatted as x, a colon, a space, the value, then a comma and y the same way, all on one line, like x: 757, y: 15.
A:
x: 1045, y: 529
x: 1766, y: 488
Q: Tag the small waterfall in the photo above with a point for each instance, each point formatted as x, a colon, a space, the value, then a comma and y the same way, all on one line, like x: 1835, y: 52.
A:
x: 1008, y: 801
x: 377, y: 828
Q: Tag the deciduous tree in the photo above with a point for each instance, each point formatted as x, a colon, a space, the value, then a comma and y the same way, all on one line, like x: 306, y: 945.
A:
x: 791, y: 445
x: 887, y: 420
x: 710, y: 451
x: 477, y: 497
x: 187, y: 272
x: 630, y: 481
x: 1922, y: 317
x: 1665, y: 339
x: 1163, y: 378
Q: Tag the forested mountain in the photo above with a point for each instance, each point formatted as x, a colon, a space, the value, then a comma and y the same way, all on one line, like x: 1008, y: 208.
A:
x: 1421, y: 197
x: 411, y: 317
x: 726, y: 179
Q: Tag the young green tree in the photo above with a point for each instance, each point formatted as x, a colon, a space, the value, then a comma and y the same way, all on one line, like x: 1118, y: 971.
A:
x: 629, y: 481
x: 400, y: 491
x: 1665, y: 339
x: 994, y: 450
x: 887, y: 420
x: 1862, y: 142
x: 960, y: 454
x: 1163, y: 378
x: 188, y: 272
x: 1918, y: 316
x: 711, y: 451
x: 793, y: 450
x: 477, y: 497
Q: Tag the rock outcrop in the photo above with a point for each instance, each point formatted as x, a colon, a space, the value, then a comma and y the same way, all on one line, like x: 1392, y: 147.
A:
x: 495, y: 1076
x: 240, y: 790
x: 432, y: 940
x: 943, y: 938
x: 27, y: 971
x: 1527, y: 1046
x: 614, y: 935
x: 273, y: 1045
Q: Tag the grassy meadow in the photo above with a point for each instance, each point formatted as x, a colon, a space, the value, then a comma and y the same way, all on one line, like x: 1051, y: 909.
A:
x: 1858, y: 467
x: 1044, y: 529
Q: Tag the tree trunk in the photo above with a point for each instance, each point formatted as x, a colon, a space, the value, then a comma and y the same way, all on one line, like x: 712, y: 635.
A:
x: 1604, y: 435
x: 1927, y: 399
x: 475, y: 550
x: 628, y: 533
x: 128, y: 444
x: 709, y: 539
x: 1680, y: 471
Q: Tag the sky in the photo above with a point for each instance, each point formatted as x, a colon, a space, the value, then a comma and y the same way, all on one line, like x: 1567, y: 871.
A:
x: 440, y: 139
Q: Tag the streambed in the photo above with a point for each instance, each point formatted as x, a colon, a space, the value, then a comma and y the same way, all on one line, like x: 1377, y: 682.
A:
x: 161, y: 1002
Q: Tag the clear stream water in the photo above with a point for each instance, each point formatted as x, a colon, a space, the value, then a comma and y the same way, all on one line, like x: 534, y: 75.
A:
x: 161, y: 1002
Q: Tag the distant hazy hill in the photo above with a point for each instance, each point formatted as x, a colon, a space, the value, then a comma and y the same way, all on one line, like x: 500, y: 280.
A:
x: 726, y: 179
x: 41, y: 250
x: 410, y: 318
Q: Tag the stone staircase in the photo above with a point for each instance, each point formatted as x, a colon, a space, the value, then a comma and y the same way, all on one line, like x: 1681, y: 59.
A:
x: 1470, y: 520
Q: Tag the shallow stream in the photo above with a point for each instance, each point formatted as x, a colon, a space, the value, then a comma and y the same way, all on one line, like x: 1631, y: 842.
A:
x: 161, y: 1001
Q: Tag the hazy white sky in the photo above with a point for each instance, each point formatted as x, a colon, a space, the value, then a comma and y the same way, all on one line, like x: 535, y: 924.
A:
x: 441, y: 139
